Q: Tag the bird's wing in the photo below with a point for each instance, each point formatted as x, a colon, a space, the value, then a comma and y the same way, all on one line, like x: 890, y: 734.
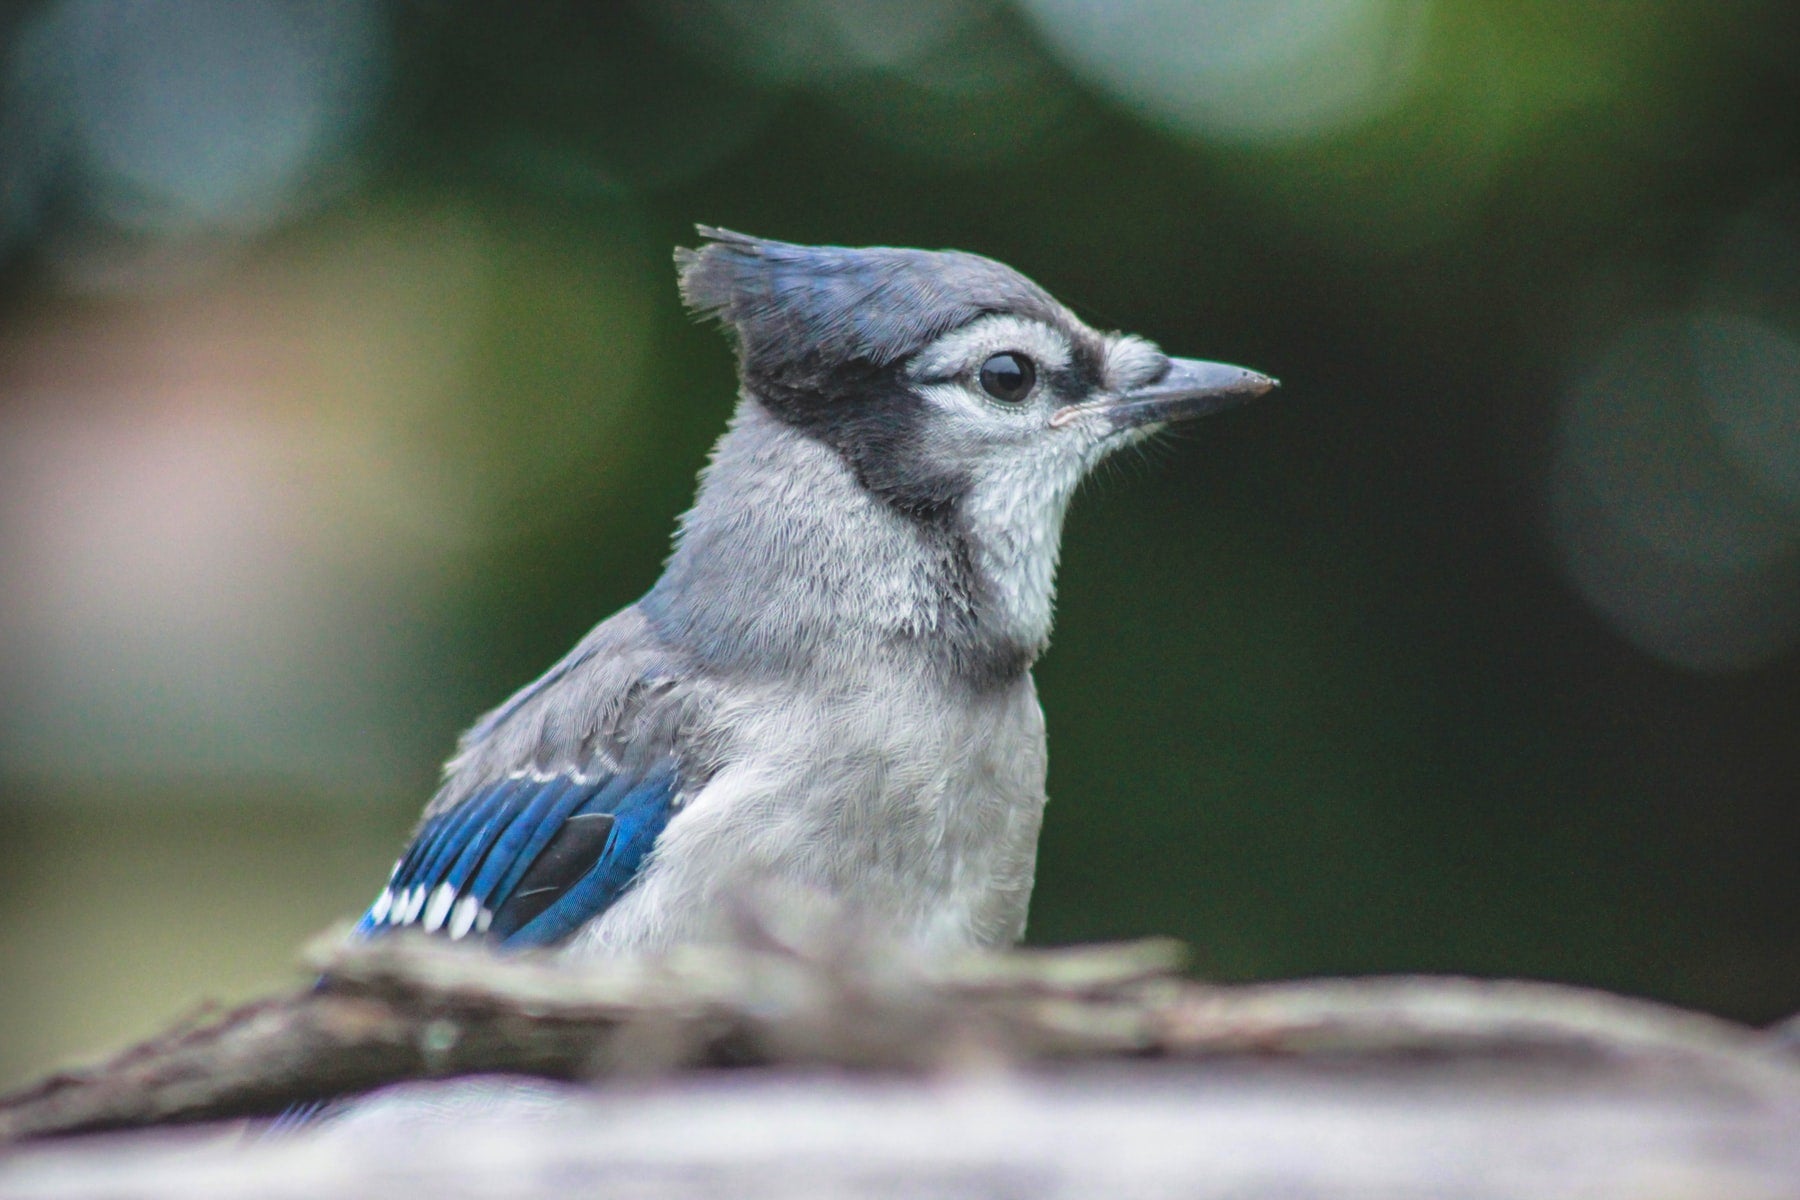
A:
x: 527, y: 859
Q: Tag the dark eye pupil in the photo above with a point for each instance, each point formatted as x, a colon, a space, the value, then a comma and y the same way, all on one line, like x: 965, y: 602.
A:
x: 1008, y: 377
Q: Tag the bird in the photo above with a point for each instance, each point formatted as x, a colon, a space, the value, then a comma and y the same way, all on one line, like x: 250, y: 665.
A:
x: 829, y: 689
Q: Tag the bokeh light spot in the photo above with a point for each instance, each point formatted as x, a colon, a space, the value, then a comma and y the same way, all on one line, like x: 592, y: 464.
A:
x: 810, y: 41
x: 1749, y: 373
x: 1654, y: 523
x: 235, y: 513
x: 1252, y: 70
x: 950, y: 82
x: 201, y: 113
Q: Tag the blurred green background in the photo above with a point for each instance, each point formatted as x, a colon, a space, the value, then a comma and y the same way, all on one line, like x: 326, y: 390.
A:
x: 343, y: 385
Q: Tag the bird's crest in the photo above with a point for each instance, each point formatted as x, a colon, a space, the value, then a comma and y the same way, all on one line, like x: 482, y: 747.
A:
x: 810, y: 306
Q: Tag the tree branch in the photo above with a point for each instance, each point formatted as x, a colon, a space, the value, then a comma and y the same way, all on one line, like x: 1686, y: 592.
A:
x: 402, y: 1008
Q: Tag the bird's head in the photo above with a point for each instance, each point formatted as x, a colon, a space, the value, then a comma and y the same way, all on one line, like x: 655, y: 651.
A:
x: 940, y: 374
x: 956, y: 390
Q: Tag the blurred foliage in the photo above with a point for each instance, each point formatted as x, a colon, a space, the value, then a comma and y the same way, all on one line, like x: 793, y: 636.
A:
x: 343, y: 384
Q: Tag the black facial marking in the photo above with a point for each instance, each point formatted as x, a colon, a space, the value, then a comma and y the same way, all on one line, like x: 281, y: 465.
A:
x: 876, y: 421
x: 1083, y: 375
x: 977, y: 656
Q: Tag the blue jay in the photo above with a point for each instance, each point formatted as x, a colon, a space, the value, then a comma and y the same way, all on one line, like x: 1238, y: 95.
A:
x: 830, y: 685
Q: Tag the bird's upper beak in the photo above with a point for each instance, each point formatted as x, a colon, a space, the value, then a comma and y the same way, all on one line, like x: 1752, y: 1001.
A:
x: 1189, y: 388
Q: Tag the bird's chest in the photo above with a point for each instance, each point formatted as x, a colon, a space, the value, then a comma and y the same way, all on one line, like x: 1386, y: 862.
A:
x: 911, y: 800
x: 917, y: 808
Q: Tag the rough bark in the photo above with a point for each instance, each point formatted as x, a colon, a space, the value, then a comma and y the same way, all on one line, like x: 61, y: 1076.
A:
x: 1112, y: 1074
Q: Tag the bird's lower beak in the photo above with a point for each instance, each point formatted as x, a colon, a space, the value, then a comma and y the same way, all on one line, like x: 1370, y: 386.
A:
x: 1190, y: 388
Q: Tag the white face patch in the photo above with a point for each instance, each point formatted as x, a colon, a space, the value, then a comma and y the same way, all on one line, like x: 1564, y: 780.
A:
x: 964, y: 350
x: 1015, y: 511
x: 973, y: 425
x: 1024, y: 460
x: 1132, y: 362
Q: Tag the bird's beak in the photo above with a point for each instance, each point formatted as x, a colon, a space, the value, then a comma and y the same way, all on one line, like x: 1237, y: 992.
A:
x: 1189, y: 388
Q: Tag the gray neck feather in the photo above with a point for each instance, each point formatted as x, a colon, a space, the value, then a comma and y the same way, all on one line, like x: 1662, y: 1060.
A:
x: 786, y: 564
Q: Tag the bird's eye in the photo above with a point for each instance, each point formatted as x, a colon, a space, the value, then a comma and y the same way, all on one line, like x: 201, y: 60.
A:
x: 1008, y: 377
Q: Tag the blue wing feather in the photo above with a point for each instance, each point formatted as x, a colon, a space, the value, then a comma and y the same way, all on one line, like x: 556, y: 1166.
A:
x: 458, y: 832
x: 525, y: 839
x: 639, y: 816
x: 529, y: 859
